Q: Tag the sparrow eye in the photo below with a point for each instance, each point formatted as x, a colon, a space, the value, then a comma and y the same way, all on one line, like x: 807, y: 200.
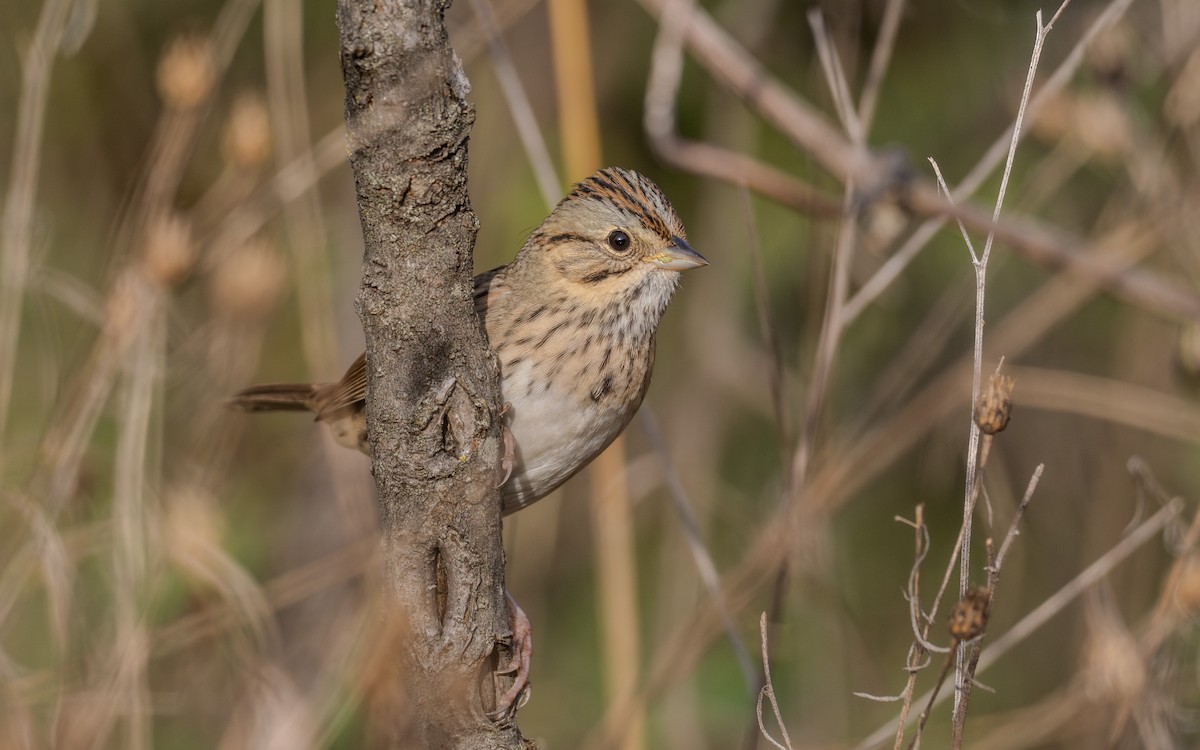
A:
x: 618, y: 240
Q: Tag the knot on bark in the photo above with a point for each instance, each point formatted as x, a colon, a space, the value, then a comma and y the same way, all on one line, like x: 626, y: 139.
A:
x: 453, y: 423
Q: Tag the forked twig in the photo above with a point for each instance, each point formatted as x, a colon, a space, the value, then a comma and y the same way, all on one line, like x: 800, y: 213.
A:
x: 1055, y: 603
x: 768, y: 692
x: 962, y: 682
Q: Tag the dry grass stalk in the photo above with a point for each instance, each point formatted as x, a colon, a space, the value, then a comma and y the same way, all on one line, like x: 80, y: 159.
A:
x: 519, y: 106
x: 767, y: 693
x: 16, y: 236
x: 227, y: 608
x: 1057, y: 602
x: 964, y: 659
x: 735, y: 68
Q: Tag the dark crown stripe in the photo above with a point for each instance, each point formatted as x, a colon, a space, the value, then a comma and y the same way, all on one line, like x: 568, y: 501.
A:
x: 624, y: 198
x: 651, y: 196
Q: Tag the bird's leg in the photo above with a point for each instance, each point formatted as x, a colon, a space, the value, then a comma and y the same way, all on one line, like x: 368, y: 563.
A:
x: 510, y: 448
x: 522, y: 653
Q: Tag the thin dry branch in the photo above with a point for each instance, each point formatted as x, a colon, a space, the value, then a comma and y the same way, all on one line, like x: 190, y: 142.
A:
x: 1053, y: 247
x: 662, y: 91
x: 762, y: 308
x: 518, y: 105
x: 700, y: 553
x: 17, y: 230
x: 283, y: 35
x: 855, y: 459
x: 881, y: 57
x: 1056, y: 602
x: 768, y: 693
x: 962, y: 686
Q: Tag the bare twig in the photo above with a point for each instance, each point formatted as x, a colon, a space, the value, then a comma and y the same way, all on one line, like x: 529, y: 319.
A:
x: 768, y: 692
x: 1109, y: 400
x: 915, y: 653
x: 286, y: 96
x: 859, y: 457
x: 130, y: 515
x: 1056, y: 602
x: 899, y: 260
x: 17, y: 230
x: 933, y: 694
x: 1014, y: 528
x: 611, y: 505
x: 762, y: 306
x: 962, y: 685
x: 662, y: 91
x: 921, y: 623
x: 734, y: 67
x: 881, y: 57
x: 518, y: 105
x: 835, y: 78
x: 700, y: 554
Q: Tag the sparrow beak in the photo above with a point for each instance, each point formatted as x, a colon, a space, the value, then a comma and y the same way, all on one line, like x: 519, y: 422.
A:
x: 678, y: 256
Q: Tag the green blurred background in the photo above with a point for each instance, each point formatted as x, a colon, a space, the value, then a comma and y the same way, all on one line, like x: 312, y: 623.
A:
x: 176, y: 576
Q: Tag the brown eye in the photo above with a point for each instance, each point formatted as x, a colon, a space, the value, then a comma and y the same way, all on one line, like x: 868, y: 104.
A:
x: 618, y: 240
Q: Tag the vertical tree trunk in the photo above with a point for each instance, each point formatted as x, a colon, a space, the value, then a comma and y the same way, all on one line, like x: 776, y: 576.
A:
x: 433, y: 395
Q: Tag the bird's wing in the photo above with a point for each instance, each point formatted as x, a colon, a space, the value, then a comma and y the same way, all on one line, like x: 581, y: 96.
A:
x: 348, y: 391
x: 352, y: 388
x: 486, y: 291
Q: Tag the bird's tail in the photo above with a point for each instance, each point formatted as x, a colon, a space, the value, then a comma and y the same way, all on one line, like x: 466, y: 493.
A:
x: 276, y: 397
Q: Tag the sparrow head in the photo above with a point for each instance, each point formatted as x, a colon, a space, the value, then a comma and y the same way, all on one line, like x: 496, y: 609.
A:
x: 615, y: 231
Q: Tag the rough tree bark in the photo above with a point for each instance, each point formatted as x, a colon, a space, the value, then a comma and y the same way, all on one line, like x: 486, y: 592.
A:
x: 433, y: 395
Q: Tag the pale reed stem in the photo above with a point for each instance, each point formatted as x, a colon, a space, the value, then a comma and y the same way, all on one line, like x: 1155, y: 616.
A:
x: 611, y: 504
x: 22, y: 189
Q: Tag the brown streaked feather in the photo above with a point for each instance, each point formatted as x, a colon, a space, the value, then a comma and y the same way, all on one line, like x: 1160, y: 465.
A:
x: 350, y: 390
x: 275, y: 397
x: 571, y: 321
x: 486, y: 291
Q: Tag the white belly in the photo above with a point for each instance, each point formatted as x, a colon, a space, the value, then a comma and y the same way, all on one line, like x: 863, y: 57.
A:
x: 556, y: 434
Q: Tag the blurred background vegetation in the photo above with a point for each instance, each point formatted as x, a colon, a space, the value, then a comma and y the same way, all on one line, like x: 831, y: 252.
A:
x: 178, y: 576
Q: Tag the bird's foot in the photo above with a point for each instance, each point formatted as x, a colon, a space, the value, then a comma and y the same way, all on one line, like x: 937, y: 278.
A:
x: 522, y: 654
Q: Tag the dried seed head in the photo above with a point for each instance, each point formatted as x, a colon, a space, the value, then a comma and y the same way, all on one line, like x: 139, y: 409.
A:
x: 1093, y: 122
x: 168, y: 251
x: 186, y: 72
x: 1187, y: 586
x: 1113, y: 664
x: 969, y: 616
x: 249, y: 281
x: 1055, y: 119
x: 192, y: 527
x: 884, y: 223
x: 1111, y: 52
x: 247, y: 140
x: 995, y: 404
x: 1101, y: 125
x: 1187, y: 350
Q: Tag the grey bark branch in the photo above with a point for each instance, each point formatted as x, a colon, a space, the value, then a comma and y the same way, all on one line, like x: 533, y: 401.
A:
x: 433, y: 395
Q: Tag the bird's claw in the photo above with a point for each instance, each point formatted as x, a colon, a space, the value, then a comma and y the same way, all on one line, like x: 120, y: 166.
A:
x: 510, y: 448
x: 522, y: 654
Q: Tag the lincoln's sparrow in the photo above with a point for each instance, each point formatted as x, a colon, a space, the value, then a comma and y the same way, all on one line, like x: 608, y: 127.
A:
x: 572, y: 321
